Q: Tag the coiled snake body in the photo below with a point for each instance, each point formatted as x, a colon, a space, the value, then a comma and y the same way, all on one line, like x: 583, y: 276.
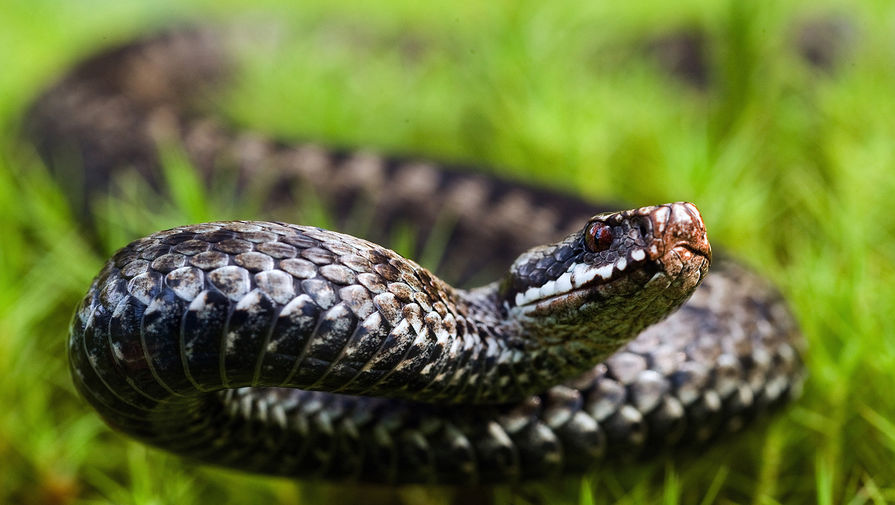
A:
x: 297, y: 351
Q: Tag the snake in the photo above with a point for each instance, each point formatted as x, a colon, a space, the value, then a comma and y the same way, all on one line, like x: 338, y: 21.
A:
x: 298, y: 351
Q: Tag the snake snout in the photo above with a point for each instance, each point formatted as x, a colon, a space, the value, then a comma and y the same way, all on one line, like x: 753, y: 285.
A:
x: 679, y: 226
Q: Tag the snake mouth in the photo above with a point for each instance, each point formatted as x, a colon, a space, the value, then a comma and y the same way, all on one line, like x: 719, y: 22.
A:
x: 681, y: 262
x: 582, y: 282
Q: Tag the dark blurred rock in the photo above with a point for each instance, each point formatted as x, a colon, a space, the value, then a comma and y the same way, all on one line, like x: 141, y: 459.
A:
x: 683, y: 53
x: 823, y: 41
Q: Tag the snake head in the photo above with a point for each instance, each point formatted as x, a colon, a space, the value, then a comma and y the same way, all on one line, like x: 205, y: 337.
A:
x: 622, y: 272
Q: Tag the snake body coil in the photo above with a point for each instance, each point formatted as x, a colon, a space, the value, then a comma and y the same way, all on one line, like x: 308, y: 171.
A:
x: 298, y: 351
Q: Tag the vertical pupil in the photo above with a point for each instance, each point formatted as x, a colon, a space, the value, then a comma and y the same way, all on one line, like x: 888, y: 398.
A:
x: 605, y: 239
x: 602, y: 236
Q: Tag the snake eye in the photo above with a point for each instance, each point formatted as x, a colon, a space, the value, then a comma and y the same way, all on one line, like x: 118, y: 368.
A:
x: 598, y: 237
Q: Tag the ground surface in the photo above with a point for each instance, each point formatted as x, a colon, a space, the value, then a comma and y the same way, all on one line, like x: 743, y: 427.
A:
x: 778, y: 122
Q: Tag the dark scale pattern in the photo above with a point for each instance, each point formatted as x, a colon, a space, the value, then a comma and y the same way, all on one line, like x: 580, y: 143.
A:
x: 631, y: 406
x: 173, y: 318
x: 257, y: 323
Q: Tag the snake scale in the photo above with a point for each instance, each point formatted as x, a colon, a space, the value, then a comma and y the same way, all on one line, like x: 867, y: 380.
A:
x: 297, y: 351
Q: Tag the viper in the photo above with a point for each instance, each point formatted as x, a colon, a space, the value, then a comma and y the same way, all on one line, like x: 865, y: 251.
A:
x: 299, y: 351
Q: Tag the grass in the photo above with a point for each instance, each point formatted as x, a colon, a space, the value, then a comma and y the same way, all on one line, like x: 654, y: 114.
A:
x: 791, y: 165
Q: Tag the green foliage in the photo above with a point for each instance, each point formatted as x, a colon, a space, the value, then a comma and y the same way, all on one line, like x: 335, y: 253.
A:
x: 791, y: 165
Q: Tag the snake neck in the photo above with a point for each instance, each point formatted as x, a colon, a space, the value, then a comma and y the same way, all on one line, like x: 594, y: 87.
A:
x: 566, y: 306
x: 562, y: 307
x: 519, y: 359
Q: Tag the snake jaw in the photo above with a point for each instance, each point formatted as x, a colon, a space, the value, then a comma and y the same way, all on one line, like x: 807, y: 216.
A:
x: 578, y: 282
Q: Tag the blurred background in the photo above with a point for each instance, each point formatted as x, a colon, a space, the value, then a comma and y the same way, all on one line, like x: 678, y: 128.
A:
x: 777, y: 119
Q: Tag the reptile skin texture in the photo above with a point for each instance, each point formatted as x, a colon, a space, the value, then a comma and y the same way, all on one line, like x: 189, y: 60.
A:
x: 297, y: 351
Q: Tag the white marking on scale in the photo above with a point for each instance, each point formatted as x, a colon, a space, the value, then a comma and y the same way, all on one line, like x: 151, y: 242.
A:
x: 532, y: 294
x: 548, y: 289
x: 577, y: 273
x: 681, y: 214
x: 586, y: 275
x: 621, y: 264
x: 638, y: 255
x: 661, y: 217
x: 604, y: 271
x: 491, y: 349
x: 564, y: 283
